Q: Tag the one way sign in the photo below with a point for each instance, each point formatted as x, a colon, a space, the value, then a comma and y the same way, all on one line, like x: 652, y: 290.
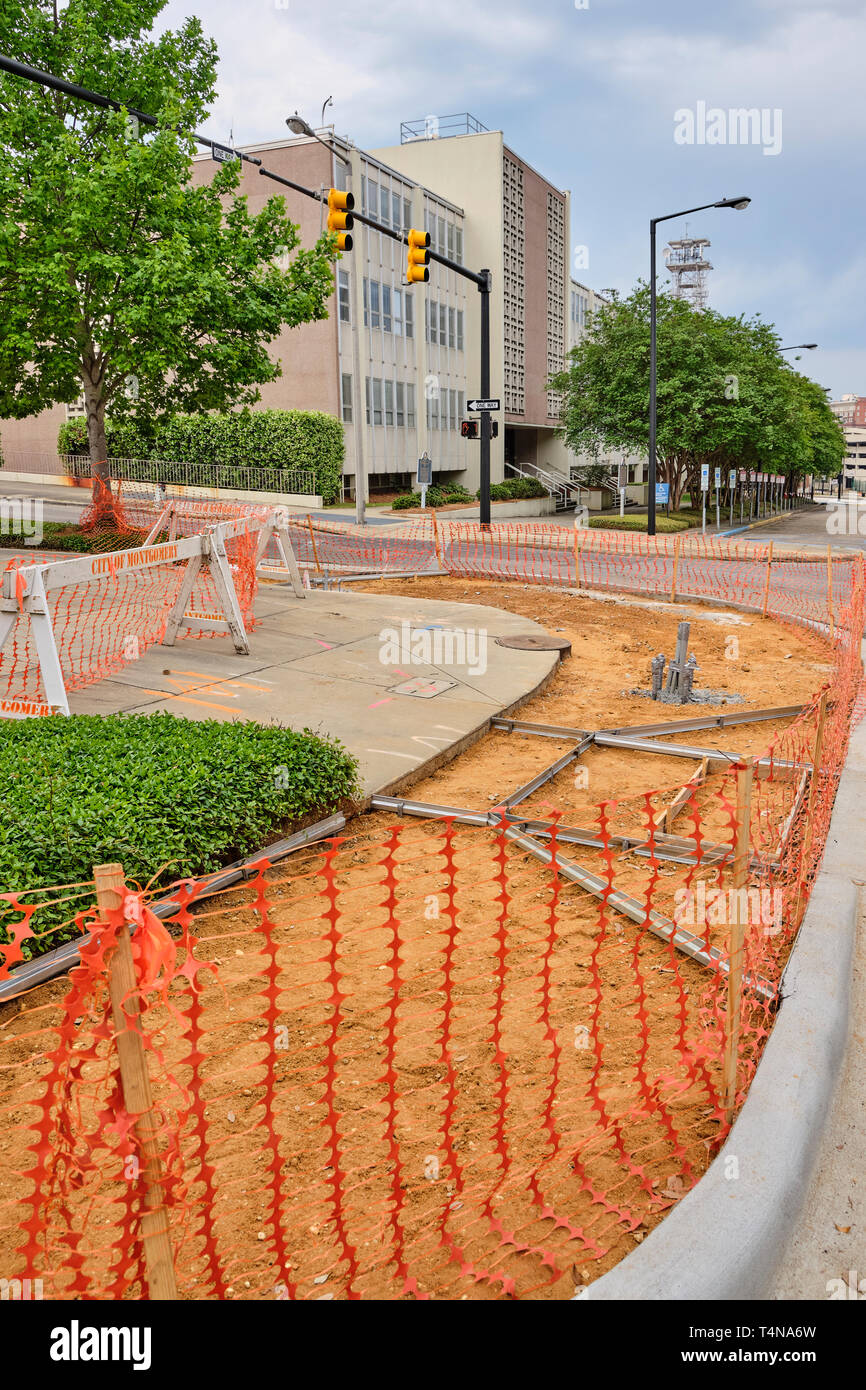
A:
x: 483, y: 405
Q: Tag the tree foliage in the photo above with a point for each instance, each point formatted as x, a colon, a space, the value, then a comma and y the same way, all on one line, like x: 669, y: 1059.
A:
x: 725, y: 396
x: 118, y: 275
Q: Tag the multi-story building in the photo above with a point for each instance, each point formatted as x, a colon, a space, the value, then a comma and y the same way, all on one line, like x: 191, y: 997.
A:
x: 850, y: 410
x: 516, y: 224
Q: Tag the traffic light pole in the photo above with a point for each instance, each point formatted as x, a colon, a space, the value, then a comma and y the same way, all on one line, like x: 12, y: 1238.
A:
x: 484, y: 289
x: 480, y: 278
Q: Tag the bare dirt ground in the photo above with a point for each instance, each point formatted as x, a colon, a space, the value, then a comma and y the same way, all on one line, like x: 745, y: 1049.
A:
x: 429, y: 1067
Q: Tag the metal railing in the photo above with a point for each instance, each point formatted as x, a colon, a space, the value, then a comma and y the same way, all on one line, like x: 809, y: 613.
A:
x: 238, y: 478
x: 564, y: 492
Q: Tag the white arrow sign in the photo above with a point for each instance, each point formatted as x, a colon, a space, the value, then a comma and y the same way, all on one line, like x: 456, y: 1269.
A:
x: 483, y: 405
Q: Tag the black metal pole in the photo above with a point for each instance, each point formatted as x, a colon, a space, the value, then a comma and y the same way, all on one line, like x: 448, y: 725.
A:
x: 484, y: 291
x: 651, y: 492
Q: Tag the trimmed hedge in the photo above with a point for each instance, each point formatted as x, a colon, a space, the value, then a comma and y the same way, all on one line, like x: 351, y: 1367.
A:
x: 515, y: 489
x: 61, y: 536
x: 167, y: 798
x: 436, y: 497
x: 276, y: 439
x: 636, y: 523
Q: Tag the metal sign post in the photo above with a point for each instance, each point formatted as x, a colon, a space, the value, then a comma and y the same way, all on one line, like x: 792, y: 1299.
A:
x: 718, y: 490
x: 705, y: 486
x: 622, y: 481
x: 425, y: 476
x: 732, y: 484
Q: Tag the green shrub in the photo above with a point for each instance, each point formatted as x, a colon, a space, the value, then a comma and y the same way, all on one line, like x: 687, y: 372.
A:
x: 636, y: 523
x: 274, y: 439
x: 167, y: 798
x: 61, y: 536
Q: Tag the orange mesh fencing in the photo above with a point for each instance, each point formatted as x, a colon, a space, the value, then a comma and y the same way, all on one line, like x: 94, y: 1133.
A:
x: 108, y: 617
x: 419, y: 1061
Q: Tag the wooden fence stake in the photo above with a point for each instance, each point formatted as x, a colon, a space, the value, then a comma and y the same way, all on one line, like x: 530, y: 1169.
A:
x: 676, y: 568
x: 125, y: 1009
x: 810, y: 805
x: 738, y: 922
x: 436, y: 538
x: 313, y: 540
x: 767, y: 580
x: 577, y: 555
x: 830, y: 594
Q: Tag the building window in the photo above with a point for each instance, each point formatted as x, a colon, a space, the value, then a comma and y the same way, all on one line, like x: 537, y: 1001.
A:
x: 459, y: 330
x: 410, y: 315
x: 389, y: 402
x: 399, y: 391
x: 343, y: 295
x: 410, y: 406
x: 432, y: 315
x: 443, y: 325
x: 346, y: 395
x: 452, y: 328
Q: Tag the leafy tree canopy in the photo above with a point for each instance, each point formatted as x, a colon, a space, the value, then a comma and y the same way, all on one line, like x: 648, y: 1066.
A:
x: 118, y: 275
x: 725, y: 396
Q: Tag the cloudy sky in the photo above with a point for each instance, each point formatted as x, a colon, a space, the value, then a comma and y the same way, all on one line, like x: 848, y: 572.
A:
x: 587, y: 92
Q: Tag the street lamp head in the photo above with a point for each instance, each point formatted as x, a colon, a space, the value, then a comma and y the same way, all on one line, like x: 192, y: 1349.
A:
x: 298, y: 126
x: 739, y: 204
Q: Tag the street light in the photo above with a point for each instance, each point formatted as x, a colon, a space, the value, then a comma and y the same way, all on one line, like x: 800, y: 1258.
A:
x: 738, y: 204
x: 810, y: 346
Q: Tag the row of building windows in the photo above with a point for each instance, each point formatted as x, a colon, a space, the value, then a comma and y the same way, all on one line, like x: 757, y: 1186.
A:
x: 443, y: 325
x: 445, y: 410
x: 388, y: 308
x: 390, y: 403
x: 445, y: 237
x: 391, y: 209
x: 579, y: 308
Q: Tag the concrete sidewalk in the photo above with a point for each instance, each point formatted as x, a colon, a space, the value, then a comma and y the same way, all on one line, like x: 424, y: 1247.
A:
x: 322, y: 663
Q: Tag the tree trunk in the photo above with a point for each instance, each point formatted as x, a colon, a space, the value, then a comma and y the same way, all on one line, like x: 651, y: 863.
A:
x: 104, y: 511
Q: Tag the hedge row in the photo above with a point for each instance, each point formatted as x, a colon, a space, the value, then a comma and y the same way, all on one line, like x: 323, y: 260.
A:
x: 637, y: 523
x: 276, y: 439
x: 167, y: 798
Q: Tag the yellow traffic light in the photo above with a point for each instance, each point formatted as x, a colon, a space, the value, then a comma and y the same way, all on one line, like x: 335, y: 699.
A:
x: 340, y: 219
x: 419, y: 257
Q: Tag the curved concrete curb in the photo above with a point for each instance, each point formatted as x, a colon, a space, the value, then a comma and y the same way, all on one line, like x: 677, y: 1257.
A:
x: 727, y: 1238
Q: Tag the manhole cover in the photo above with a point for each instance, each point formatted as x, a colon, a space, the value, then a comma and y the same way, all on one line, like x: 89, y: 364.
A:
x: 421, y: 687
x: 536, y: 642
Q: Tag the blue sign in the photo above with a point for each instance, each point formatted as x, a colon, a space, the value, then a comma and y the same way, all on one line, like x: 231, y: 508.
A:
x: 663, y: 491
x: 705, y: 477
x: 718, y: 478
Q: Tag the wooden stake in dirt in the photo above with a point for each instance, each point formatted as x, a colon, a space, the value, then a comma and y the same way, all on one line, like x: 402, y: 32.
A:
x: 125, y: 1009
x: 436, y: 538
x: 830, y: 594
x: 739, y: 916
x: 313, y: 540
x: 767, y: 580
x: 676, y: 567
x: 577, y: 555
x: 813, y: 797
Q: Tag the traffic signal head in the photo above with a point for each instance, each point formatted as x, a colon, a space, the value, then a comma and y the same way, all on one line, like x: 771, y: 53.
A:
x: 469, y: 429
x: 419, y: 257
x: 340, y: 219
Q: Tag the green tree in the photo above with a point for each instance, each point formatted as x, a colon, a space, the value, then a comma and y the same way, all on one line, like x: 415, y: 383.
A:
x: 725, y: 396
x: 118, y: 276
